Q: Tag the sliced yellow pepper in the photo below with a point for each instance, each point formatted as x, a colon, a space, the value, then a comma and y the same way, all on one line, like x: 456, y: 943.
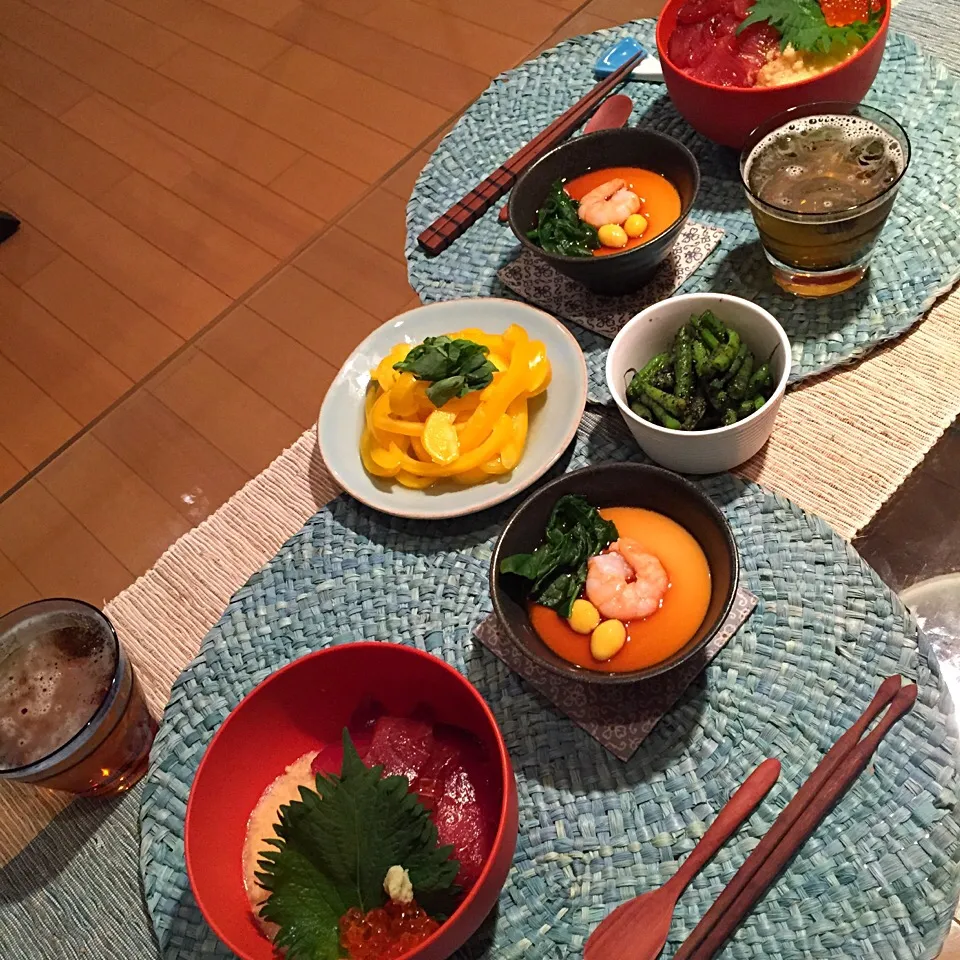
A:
x: 387, y: 458
x: 515, y: 335
x: 513, y: 449
x: 418, y: 450
x: 371, y: 465
x: 494, y: 467
x: 384, y: 374
x: 382, y: 422
x: 539, y: 370
x: 469, y: 439
x: 403, y: 399
x: 506, y: 387
x: 414, y: 483
x: 469, y: 477
x: 501, y: 433
x: 491, y: 341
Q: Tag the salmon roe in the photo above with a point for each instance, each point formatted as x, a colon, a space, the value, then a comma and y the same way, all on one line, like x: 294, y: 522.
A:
x: 386, y: 932
x: 839, y: 13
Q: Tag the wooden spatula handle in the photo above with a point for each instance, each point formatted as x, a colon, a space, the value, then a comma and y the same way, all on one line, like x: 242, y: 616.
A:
x: 728, y: 821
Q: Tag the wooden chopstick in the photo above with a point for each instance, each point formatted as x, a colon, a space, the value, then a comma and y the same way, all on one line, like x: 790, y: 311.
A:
x: 835, y: 774
x: 466, y: 211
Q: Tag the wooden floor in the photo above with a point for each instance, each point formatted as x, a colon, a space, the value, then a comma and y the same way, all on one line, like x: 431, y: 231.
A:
x: 212, y: 195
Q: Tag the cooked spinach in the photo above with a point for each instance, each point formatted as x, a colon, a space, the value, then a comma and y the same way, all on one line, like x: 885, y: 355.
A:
x: 557, y: 569
x: 559, y: 228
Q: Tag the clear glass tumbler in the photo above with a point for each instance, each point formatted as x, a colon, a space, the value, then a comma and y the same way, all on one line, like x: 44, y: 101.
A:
x: 821, y: 180
x: 72, y: 714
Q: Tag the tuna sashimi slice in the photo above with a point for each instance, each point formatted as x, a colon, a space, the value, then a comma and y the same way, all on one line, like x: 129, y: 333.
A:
x: 723, y: 66
x: 696, y: 11
x: 328, y: 760
x: 460, y: 821
x: 689, y: 45
x: 402, y: 747
x: 443, y: 763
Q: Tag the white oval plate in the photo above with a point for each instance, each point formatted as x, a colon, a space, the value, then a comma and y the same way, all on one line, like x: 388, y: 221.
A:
x: 554, y: 415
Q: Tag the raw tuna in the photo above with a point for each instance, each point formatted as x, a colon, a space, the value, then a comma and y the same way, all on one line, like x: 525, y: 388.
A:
x: 698, y: 10
x: 461, y: 822
x: 447, y: 770
x: 723, y: 66
x: 443, y: 763
x: 402, y: 747
x: 705, y: 42
x: 329, y: 759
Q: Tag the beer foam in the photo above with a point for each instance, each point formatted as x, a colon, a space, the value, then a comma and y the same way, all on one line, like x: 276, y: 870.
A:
x: 852, y: 128
x: 55, y: 670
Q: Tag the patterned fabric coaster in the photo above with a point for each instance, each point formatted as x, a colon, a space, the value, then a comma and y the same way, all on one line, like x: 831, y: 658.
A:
x: 619, y: 718
x: 539, y: 283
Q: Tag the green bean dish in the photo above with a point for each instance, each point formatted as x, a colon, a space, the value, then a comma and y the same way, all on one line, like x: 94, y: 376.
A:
x: 708, y: 378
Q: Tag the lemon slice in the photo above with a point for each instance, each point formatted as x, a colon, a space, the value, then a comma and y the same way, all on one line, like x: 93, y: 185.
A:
x: 440, y: 438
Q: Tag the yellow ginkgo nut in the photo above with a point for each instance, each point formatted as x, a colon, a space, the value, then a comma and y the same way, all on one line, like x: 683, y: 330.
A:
x: 607, y: 640
x: 635, y: 225
x: 612, y: 235
x: 584, y: 617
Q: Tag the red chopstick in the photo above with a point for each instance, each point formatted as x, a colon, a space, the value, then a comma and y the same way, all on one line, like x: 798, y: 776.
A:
x: 834, y: 775
x: 469, y: 209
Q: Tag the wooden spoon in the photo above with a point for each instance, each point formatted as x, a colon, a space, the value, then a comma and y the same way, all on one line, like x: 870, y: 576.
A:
x: 637, y: 929
x: 614, y: 112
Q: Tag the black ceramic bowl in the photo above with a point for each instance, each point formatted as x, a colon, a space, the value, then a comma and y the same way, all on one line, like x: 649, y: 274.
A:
x: 616, y: 272
x: 616, y: 485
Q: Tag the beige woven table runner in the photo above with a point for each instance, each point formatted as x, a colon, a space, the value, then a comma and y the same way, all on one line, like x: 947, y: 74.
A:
x: 842, y: 446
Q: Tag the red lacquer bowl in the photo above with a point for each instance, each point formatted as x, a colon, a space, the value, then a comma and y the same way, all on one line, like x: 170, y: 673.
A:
x: 726, y: 115
x: 300, y: 708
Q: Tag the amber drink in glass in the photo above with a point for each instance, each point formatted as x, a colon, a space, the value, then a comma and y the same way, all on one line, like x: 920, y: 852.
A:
x: 821, y: 180
x: 72, y: 714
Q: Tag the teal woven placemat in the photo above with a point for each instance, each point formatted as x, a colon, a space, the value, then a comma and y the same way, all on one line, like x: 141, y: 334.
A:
x: 878, y: 879
x: 917, y: 258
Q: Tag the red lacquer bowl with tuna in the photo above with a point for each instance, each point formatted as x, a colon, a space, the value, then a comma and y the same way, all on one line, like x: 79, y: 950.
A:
x: 727, y: 114
x: 406, y: 711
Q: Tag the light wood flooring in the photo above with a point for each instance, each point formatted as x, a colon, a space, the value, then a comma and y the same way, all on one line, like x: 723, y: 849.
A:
x: 212, y: 195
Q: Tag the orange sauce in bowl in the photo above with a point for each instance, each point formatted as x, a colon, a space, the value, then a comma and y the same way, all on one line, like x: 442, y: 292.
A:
x: 659, y: 200
x: 662, y: 634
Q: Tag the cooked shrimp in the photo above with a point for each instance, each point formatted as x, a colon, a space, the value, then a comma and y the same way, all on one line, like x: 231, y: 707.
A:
x: 611, y: 202
x: 627, y: 583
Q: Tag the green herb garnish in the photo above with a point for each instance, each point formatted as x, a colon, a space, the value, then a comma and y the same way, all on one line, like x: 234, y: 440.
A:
x: 559, y: 227
x: 802, y: 24
x: 456, y: 367
x: 335, y: 847
x: 557, y: 569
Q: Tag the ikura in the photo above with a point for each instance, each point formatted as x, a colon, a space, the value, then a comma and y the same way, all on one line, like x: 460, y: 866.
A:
x: 385, y: 933
x: 839, y: 13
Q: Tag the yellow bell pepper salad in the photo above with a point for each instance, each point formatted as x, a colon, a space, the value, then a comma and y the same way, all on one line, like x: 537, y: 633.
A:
x: 470, y: 438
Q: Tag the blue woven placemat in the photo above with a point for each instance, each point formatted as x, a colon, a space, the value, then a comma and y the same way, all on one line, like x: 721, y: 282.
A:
x: 917, y: 258
x: 878, y: 879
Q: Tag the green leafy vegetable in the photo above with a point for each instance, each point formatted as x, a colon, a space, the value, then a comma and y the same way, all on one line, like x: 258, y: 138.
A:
x: 802, y: 24
x: 334, y: 849
x: 559, y: 227
x: 456, y: 367
x: 557, y: 569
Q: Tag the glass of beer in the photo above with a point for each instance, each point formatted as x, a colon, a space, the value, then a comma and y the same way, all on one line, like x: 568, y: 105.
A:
x: 821, y: 180
x: 72, y: 714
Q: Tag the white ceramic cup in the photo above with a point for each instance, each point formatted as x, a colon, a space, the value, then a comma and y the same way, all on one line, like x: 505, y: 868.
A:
x: 651, y: 332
